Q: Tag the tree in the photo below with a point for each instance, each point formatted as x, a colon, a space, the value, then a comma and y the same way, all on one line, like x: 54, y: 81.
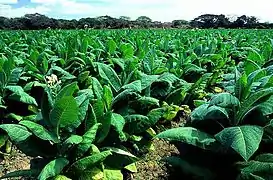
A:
x: 246, y: 22
x: 210, y: 21
x: 144, y: 19
x: 179, y: 23
x: 125, y: 18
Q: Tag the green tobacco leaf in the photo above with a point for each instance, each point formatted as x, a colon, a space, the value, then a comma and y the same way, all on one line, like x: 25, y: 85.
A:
x: 136, y: 123
x: 17, y: 133
x: 88, y: 162
x: 118, y: 122
x: 83, y: 76
x: 15, y: 75
x: 68, y: 90
x: 119, y: 158
x: 250, y: 66
x: 92, y: 174
x: 244, y: 140
x: 241, y: 90
x: 66, y: 75
x: 260, y: 168
x: 82, y: 102
x: 224, y: 100
x: 127, y: 51
x: 135, y: 86
x: 266, y: 107
x: 112, y: 174
x: 108, y: 74
x: 200, y: 112
x: 88, y: 139
x: 126, y: 94
x: 97, y: 88
x: 22, y: 173
x: 91, y: 119
x: 215, y: 112
x: 53, y: 168
x: 107, y: 97
x: 69, y: 142
x: 20, y: 95
x: 98, y: 108
x: 112, y: 46
x: 105, y: 128
x: 247, y: 105
x: 39, y: 131
x: 65, y: 114
x: 147, y: 80
x: 46, y: 105
x: 188, y: 135
x: 148, y: 101
x: 131, y: 167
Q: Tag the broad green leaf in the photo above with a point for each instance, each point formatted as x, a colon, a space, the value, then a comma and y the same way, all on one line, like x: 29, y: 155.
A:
x: 136, y: 123
x: 22, y: 173
x: 250, y: 66
x: 112, y: 174
x: 215, y: 112
x: 224, y: 100
x: 135, y: 86
x: 91, y: 118
x: 88, y: 162
x: 244, y: 140
x: 251, y: 101
x: 131, y: 167
x: 147, y: 80
x: 53, y: 168
x: 66, y: 75
x: 111, y: 46
x: 266, y: 107
x: 148, y: 101
x: 88, y: 139
x: 108, y: 74
x: 82, y: 102
x: 119, y: 158
x: 241, y: 90
x: 39, y: 131
x: 118, y: 122
x: 20, y: 95
x: 92, y: 174
x: 188, y: 135
x: 97, y: 88
x: 107, y: 97
x: 68, y: 90
x: 16, y: 133
x: 69, y: 142
x: 65, y: 114
x: 105, y: 128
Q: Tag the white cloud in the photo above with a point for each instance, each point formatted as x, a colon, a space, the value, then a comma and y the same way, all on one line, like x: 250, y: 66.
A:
x: 8, y: 1
x: 163, y: 10
x: 8, y: 11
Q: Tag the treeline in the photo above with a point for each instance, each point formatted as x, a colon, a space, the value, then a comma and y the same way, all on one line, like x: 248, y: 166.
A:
x: 38, y: 21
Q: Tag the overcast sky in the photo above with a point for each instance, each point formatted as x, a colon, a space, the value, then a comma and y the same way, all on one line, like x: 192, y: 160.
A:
x: 158, y: 10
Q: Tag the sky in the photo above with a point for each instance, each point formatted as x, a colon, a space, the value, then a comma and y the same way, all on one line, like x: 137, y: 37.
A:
x: 157, y: 10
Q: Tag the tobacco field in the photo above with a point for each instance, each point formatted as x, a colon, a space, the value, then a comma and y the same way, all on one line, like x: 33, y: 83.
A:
x: 88, y: 104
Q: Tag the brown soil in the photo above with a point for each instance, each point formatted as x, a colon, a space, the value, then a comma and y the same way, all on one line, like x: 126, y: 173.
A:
x: 13, y: 162
x: 151, y: 167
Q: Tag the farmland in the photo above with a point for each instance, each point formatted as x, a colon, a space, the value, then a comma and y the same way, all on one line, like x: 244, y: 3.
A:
x: 90, y: 103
